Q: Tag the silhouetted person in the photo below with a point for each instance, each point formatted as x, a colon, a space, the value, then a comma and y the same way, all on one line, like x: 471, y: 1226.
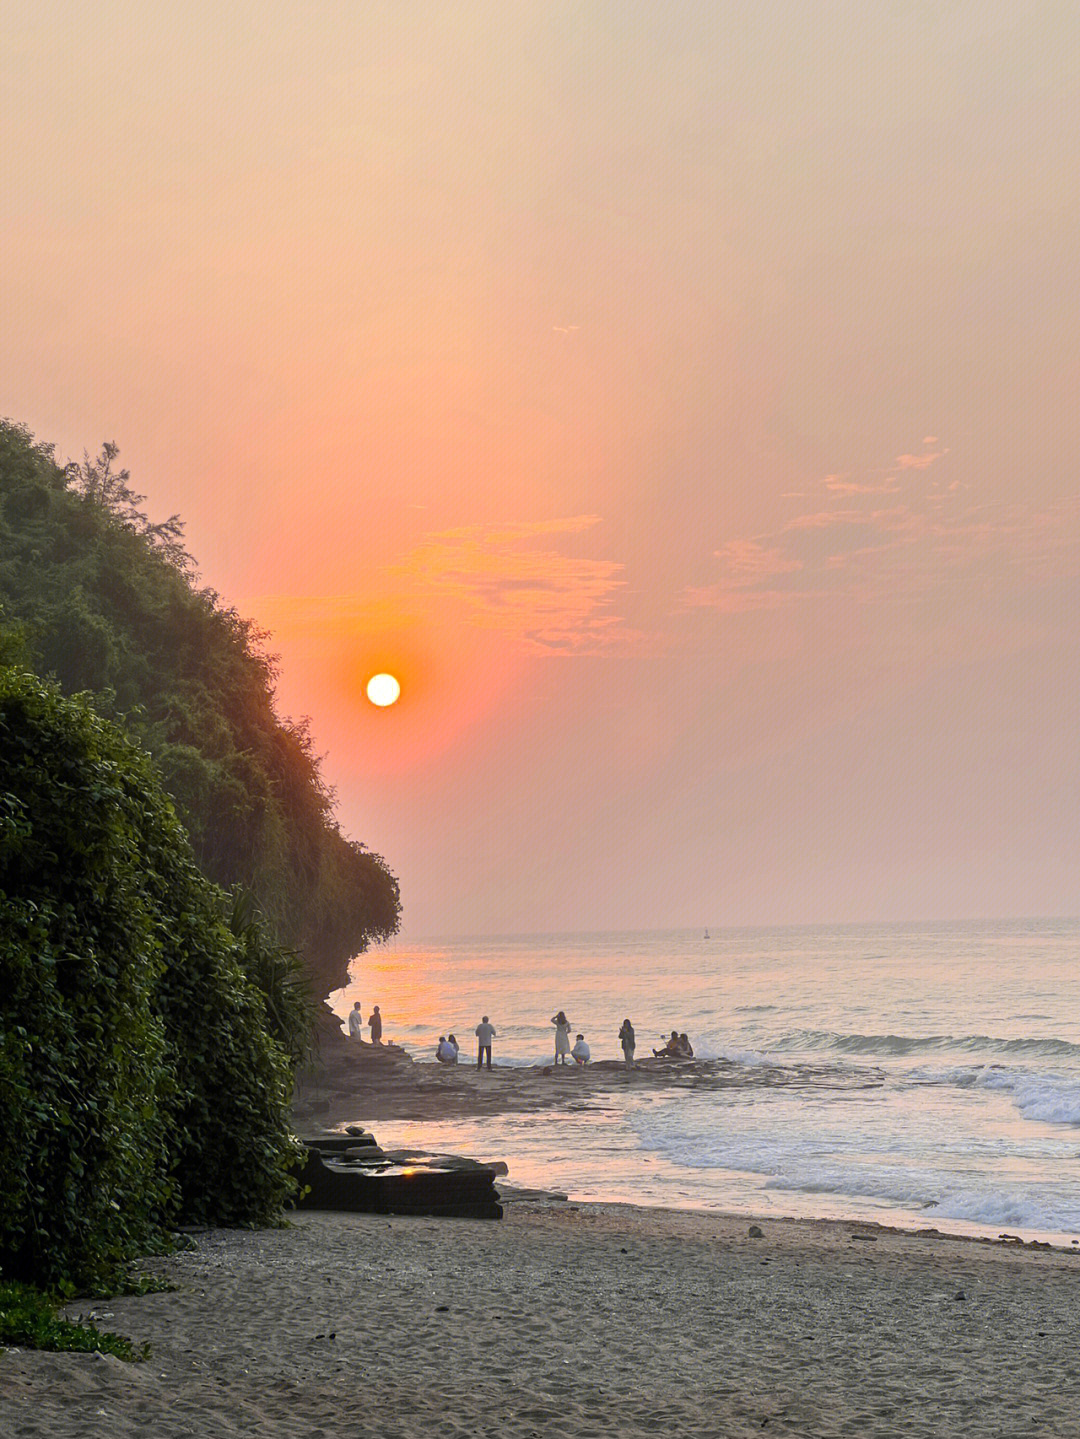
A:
x: 628, y: 1041
x: 485, y: 1033
x: 686, y: 1049
x: 375, y: 1025
x: 671, y: 1049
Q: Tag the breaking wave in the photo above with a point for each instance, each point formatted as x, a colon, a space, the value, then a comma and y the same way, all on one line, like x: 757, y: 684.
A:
x: 901, y: 1044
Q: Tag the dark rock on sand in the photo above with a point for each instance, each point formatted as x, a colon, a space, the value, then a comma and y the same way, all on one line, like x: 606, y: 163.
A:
x: 350, y: 1181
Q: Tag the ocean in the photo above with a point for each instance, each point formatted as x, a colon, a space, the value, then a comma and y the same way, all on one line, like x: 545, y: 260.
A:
x: 917, y: 1075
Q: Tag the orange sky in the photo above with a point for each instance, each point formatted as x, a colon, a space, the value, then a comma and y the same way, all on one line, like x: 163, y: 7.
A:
x: 680, y: 400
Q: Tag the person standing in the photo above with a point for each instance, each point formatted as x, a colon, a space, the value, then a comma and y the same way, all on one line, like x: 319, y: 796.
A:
x: 628, y: 1041
x: 485, y: 1033
x: 562, y: 1037
x: 375, y: 1025
x: 356, y: 1022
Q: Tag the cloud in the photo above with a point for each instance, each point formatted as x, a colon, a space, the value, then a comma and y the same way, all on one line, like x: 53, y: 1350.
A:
x: 828, y: 519
x: 728, y: 601
x: 919, y: 462
x: 747, y: 563
x: 865, y: 552
x: 509, y: 577
x: 842, y: 485
x: 547, y: 600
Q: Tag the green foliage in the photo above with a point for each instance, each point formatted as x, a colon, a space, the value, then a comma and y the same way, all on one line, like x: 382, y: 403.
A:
x: 83, y: 1159
x: 231, y: 1142
x: 289, y: 1006
x: 106, y: 601
x: 138, y: 1081
x: 29, y: 1318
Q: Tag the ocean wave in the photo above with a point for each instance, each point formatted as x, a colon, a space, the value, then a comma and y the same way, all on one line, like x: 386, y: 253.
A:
x: 902, y: 1044
x: 800, y: 1165
x: 1041, y: 1207
x: 1043, y: 1098
x: 750, y: 1058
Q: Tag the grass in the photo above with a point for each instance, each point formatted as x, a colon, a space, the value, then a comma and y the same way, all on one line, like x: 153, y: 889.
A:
x: 30, y: 1319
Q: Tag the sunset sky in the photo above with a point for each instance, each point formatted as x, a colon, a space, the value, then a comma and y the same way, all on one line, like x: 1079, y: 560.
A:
x: 680, y: 399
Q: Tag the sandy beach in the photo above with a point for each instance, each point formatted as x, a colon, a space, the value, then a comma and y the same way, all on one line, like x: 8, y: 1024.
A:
x: 581, y: 1320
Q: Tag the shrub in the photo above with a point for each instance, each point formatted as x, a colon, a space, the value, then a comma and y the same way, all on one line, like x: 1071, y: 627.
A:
x: 138, y: 1083
x: 29, y: 1319
x: 83, y: 1159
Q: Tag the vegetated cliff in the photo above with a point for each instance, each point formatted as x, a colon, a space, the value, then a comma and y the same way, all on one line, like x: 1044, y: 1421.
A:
x: 93, y: 594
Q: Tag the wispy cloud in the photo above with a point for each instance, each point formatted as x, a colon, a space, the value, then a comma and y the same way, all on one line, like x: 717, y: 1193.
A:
x: 919, y: 462
x: 852, y: 546
x: 747, y: 563
x: 509, y: 577
x: 844, y: 485
x: 515, y: 577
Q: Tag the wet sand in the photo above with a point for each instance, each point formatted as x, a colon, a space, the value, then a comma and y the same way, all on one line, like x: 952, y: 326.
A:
x: 588, y: 1320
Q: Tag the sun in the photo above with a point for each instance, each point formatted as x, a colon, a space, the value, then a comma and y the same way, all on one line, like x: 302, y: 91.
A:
x: 383, y: 690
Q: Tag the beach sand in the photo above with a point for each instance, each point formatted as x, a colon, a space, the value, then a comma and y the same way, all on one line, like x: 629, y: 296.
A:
x: 581, y: 1320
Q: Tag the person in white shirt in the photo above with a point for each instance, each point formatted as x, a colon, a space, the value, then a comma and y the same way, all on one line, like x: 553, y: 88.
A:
x: 485, y: 1033
x: 356, y: 1022
x: 581, y: 1051
x: 562, y: 1036
x: 445, y: 1052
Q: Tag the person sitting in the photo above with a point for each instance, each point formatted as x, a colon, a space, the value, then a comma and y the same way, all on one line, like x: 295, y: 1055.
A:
x: 670, y: 1049
x: 581, y: 1053
x: 445, y: 1052
x: 452, y: 1041
x: 686, y: 1049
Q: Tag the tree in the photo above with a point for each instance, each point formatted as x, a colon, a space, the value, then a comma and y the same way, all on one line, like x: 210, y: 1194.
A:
x: 104, y: 600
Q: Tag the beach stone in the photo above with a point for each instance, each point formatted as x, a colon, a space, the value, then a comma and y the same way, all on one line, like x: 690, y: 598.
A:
x: 754, y: 1232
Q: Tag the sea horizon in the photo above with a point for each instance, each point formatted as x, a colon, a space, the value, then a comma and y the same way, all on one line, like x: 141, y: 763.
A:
x: 405, y: 936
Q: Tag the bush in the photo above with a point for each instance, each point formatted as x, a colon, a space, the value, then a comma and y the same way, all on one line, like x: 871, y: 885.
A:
x: 138, y: 1083
x: 83, y: 1158
x: 29, y: 1319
